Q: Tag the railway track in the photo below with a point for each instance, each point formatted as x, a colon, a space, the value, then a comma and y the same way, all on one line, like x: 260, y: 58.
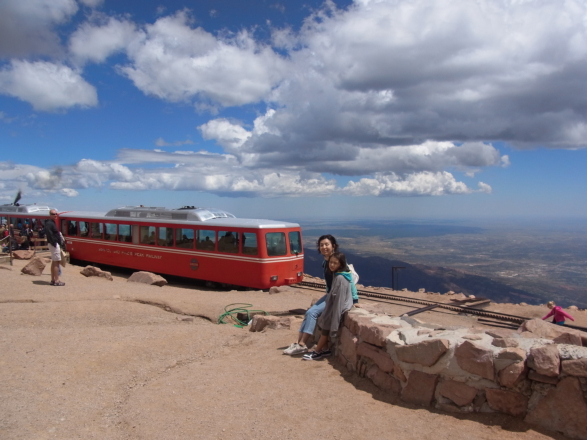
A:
x: 514, y: 319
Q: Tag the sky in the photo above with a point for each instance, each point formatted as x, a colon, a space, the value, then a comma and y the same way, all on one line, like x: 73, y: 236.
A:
x: 297, y: 109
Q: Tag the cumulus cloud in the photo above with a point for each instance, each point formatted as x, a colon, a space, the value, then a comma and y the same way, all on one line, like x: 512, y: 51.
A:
x: 96, y: 42
x: 68, y: 192
x: 28, y: 27
x: 176, y: 62
x: 403, y: 72
x: 46, y: 86
x: 403, y: 93
x: 416, y: 184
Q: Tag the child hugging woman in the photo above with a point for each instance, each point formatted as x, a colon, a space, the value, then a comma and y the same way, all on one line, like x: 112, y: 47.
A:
x: 338, y: 301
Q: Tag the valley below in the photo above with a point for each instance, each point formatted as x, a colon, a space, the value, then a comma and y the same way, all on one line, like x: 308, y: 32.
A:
x: 505, y: 262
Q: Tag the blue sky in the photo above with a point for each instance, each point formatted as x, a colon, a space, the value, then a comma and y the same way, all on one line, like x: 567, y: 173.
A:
x: 297, y: 109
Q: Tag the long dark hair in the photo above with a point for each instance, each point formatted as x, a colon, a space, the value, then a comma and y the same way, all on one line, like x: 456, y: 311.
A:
x: 329, y: 238
x: 341, y: 259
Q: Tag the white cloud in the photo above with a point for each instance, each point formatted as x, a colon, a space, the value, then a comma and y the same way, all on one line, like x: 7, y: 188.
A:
x: 175, y: 62
x: 96, y: 42
x: 27, y: 27
x: 46, y: 86
x: 160, y: 142
x: 68, y: 192
x: 230, y: 135
x: 417, y: 184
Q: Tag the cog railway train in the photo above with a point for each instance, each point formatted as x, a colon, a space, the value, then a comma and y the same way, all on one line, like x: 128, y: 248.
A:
x: 203, y: 243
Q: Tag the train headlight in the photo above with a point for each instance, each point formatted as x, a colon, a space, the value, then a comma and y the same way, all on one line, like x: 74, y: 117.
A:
x: 274, y: 278
x: 299, y: 274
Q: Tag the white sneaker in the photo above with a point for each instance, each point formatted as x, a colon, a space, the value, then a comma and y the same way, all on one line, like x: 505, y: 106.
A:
x: 295, y: 348
x: 289, y: 349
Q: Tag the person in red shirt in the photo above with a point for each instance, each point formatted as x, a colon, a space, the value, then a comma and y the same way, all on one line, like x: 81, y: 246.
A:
x: 557, y: 313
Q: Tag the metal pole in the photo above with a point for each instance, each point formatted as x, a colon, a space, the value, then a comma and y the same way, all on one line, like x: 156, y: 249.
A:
x: 395, y: 276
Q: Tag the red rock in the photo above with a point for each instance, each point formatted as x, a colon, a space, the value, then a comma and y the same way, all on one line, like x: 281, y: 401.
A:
x: 545, y: 360
x: 501, y: 333
x: 282, y: 289
x: 147, y: 278
x: 511, y: 375
x: 575, y: 367
x: 352, y: 322
x: 544, y: 329
x: 91, y: 271
x: 513, y: 353
x: 425, y: 353
x: 568, y: 338
x: 533, y: 375
x: 23, y: 255
x: 420, y: 388
x: 460, y: 393
x: 261, y: 322
x: 475, y: 359
x: 383, y: 380
x: 399, y: 373
x: 34, y: 267
x: 380, y: 357
x: 507, y: 401
x: 348, y: 346
x: 563, y: 409
x: 505, y: 342
x: 375, y: 334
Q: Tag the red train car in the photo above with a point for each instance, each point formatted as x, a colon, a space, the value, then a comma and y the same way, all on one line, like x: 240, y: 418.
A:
x: 19, y: 215
x: 203, y: 243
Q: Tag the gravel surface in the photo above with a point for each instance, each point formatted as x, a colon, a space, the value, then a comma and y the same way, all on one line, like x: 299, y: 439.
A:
x: 100, y: 359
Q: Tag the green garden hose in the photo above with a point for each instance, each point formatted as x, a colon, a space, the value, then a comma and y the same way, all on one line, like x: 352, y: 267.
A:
x: 243, y: 308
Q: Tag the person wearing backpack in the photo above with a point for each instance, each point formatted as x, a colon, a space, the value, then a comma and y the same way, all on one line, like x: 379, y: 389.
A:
x: 326, y: 245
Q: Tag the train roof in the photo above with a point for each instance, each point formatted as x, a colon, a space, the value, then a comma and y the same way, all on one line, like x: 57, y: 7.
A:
x: 190, y: 213
x: 165, y: 217
x: 6, y: 210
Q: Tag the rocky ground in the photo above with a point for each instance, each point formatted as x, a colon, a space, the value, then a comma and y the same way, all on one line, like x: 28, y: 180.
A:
x: 99, y: 359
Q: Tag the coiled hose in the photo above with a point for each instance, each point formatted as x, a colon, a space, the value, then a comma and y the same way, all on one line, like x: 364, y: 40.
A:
x: 232, y: 314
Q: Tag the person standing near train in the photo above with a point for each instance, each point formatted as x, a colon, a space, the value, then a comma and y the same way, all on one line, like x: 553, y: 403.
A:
x: 55, y: 243
x: 326, y: 245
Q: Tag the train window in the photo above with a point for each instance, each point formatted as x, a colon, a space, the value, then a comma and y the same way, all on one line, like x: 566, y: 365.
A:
x: 97, y: 230
x: 165, y: 237
x: 84, y: 229
x: 124, y: 233
x: 228, y: 241
x: 295, y: 242
x: 250, y: 243
x: 206, y: 240
x: 184, y: 238
x: 71, y: 227
x: 110, y: 232
x: 275, y: 243
x: 147, y: 234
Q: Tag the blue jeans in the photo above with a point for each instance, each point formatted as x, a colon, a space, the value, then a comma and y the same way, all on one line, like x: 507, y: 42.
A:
x: 309, y: 322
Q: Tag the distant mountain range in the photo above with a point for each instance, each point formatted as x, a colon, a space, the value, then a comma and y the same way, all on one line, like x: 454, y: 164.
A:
x: 376, y: 271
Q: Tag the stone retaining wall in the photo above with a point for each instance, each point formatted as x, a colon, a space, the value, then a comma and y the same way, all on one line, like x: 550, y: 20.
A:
x: 538, y: 373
